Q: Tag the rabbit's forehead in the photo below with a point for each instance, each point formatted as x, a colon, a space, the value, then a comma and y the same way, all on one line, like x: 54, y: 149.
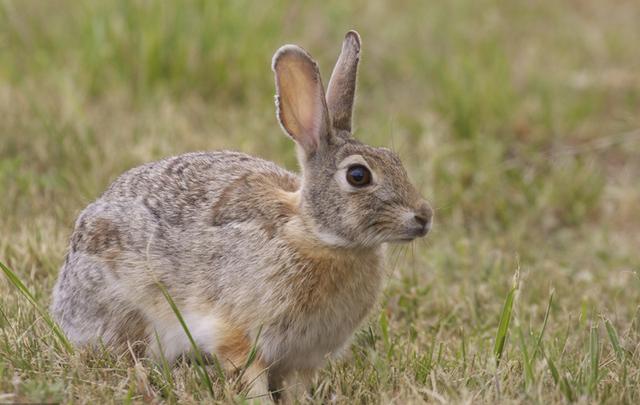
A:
x: 379, y: 159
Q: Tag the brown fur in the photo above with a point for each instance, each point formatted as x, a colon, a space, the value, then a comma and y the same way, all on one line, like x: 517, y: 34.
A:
x: 248, y: 192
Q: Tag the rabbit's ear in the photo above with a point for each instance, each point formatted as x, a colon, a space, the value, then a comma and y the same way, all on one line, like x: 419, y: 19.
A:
x: 300, y: 100
x: 342, y: 85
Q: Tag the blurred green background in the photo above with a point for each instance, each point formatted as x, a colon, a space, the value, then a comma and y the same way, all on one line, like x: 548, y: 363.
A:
x: 519, y: 120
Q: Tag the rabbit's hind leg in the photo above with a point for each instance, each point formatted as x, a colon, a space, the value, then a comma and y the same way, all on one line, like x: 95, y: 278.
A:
x: 90, y: 310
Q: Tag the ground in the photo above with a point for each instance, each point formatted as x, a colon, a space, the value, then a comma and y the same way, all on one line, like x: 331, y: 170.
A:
x: 519, y: 120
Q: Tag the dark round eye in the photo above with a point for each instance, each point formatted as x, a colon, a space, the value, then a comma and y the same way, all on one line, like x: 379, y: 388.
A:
x: 358, y: 176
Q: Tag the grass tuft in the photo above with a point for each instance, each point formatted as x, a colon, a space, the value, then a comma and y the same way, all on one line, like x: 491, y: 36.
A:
x: 15, y: 281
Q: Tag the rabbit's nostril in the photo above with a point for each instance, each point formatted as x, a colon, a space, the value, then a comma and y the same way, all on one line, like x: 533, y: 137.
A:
x: 421, y: 220
x: 423, y: 217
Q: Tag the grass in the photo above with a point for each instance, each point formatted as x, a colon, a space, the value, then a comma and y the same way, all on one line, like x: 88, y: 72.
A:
x: 518, y: 120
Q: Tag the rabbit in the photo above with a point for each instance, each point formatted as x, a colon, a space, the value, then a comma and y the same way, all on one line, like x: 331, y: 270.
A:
x: 254, y: 256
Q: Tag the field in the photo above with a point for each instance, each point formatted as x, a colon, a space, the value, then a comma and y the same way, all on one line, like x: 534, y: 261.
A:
x: 519, y: 121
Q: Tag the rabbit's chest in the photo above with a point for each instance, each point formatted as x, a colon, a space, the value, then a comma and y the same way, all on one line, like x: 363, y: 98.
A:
x: 326, y: 301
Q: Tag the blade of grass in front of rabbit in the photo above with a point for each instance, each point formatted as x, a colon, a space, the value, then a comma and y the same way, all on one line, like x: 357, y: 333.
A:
x: 55, y: 328
x: 165, y: 369
x: 202, y: 369
x: 253, y: 354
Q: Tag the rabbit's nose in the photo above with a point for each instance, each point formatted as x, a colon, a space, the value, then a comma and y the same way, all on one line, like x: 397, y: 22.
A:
x: 424, y: 216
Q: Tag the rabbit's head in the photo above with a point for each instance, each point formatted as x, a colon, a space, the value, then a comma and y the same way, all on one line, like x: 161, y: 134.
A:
x: 352, y: 193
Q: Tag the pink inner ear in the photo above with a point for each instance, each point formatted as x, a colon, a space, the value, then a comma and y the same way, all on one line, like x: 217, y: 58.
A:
x: 302, y: 111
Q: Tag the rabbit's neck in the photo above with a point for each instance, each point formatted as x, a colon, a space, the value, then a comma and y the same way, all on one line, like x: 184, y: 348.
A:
x: 304, y: 232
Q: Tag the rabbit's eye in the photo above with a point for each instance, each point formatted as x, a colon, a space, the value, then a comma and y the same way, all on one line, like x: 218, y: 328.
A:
x: 358, y: 176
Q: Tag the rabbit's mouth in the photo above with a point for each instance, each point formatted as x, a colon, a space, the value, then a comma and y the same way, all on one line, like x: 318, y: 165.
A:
x: 402, y: 241
x: 414, y: 233
x: 411, y: 236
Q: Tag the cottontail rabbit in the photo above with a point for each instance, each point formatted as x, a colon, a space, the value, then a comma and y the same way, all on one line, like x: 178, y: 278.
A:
x: 242, y: 245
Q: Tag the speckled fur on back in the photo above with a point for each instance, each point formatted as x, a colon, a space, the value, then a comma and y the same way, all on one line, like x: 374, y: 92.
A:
x: 243, y: 245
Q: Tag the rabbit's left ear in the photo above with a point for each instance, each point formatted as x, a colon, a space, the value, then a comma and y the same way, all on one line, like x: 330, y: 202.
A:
x: 300, y: 100
x: 342, y: 85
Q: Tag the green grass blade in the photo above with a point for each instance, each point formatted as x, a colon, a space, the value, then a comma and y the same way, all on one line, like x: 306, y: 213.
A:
x: 165, y: 371
x: 463, y: 348
x: 253, y: 354
x: 384, y: 328
x: 505, y: 318
x: 196, y: 351
x: 529, y: 377
x: 594, y: 355
x: 503, y: 326
x: 613, y: 338
x: 544, y: 326
x: 553, y: 369
x: 566, y: 389
x: 561, y: 382
x: 57, y: 331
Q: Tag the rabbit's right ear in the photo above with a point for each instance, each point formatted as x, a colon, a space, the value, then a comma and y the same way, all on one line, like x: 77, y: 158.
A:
x: 342, y: 85
x: 300, y: 100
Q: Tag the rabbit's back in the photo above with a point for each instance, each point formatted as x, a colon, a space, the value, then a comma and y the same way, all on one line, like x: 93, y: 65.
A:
x: 178, y: 191
x: 176, y: 209
x: 173, y: 221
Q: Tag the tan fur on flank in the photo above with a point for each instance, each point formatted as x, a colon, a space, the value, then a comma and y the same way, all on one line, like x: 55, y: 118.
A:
x: 243, y: 245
